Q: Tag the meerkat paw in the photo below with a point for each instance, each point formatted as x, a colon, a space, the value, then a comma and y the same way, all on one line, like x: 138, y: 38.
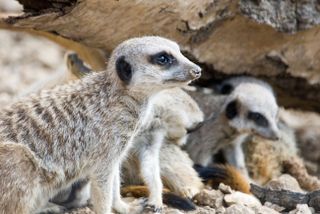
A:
x: 134, y: 207
x: 52, y: 208
x: 154, y: 207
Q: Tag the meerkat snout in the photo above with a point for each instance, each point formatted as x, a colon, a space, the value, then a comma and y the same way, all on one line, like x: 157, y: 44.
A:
x: 196, y: 72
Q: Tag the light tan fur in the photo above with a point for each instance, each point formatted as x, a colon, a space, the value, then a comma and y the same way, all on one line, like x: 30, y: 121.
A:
x: 306, y: 126
x: 264, y: 158
x: 83, y: 129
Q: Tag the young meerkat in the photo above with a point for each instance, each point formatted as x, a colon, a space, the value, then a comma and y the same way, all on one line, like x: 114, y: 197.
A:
x: 84, y: 129
x: 250, y: 108
x: 177, y: 113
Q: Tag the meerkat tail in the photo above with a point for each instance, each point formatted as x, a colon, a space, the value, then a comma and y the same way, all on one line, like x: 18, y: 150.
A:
x: 229, y: 175
x: 169, y: 198
x: 76, y: 66
x: 173, y: 200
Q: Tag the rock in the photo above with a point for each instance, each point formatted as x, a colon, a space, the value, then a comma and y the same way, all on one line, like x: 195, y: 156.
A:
x: 221, y: 210
x: 85, y: 210
x: 225, y: 188
x: 274, y: 206
x: 212, y: 198
x: 239, y: 209
x: 241, y: 198
x: 265, y: 210
x: 301, y: 209
x: 285, y: 181
x: 288, y: 16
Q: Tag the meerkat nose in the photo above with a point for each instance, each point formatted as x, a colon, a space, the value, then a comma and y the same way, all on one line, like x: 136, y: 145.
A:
x: 196, y: 72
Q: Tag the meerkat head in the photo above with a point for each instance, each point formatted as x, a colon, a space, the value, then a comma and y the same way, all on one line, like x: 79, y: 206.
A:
x: 252, y: 108
x: 228, y: 85
x: 152, y: 63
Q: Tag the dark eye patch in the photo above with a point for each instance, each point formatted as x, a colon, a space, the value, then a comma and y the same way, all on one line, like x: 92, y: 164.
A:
x: 226, y: 89
x: 163, y: 59
x: 258, y: 119
x: 124, y: 69
x: 232, y: 110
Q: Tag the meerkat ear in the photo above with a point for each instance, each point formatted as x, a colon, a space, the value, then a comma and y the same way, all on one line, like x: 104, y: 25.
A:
x: 226, y: 89
x: 232, y: 109
x: 124, y: 69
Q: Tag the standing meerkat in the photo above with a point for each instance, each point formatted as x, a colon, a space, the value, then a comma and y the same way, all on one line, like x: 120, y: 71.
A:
x: 176, y: 113
x: 84, y: 129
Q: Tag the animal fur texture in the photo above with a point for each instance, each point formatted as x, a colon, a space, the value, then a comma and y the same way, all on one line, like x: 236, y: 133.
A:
x: 156, y: 147
x: 245, y: 108
x: 84, y: 129
x: 174, y: 114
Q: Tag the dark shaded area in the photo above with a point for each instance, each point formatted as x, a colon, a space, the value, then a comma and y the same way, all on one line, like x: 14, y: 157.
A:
x: 292, y: 92
x: 38, y: 6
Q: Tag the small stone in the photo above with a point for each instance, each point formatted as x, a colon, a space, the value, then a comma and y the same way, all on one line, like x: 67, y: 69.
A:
x: 225, y: 188
x: 239, y: 209
x: 242, y: 198
x: 301, y: 209
x: 285, y: 181
x: 174, y: 212
x: 274, y: 206
x: 221, y: 210
x: 265, y: 210
x: 212, y: 198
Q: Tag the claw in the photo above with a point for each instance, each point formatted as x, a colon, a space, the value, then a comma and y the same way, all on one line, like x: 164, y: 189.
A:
x: 153, y: 208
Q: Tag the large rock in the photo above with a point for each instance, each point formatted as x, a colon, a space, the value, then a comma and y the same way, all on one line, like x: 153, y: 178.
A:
x: 226, y: 37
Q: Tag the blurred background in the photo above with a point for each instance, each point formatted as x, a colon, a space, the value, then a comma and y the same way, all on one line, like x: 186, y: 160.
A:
x: 27, y: 62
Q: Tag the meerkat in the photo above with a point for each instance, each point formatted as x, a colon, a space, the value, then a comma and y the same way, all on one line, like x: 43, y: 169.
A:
x: 250, y: 108
x: 84, y: 129
x: 157, y: 148
x: 256, y: 147
x: 177, y: 113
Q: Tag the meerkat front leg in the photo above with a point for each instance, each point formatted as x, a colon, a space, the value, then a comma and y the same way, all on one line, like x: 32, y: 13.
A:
x: 101, y: 191
x: 118, y: 204
x: 150, y: 168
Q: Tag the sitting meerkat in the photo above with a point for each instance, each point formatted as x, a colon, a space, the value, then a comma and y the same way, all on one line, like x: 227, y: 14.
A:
x: 260, y: 167
x: 250, y: 108
x: 84, y: 129
x: 178, y: 113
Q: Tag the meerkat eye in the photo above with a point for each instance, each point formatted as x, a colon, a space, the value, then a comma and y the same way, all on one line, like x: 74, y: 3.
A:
x: 226, y: 89
x: 258, y: 119
x: 163, y: 59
